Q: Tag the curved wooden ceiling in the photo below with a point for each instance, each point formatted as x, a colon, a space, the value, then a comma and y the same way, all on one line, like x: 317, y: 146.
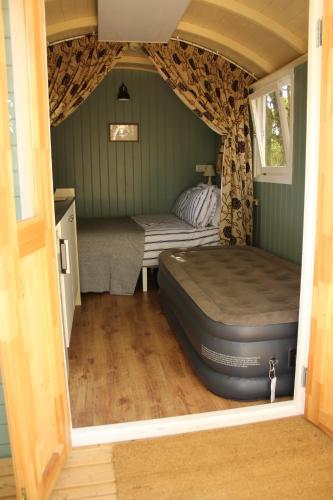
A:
x: 260, y: 35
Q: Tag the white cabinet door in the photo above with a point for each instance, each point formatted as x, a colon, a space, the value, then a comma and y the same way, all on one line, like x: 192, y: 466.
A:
x: 73, y: 249
x: 68, y: 271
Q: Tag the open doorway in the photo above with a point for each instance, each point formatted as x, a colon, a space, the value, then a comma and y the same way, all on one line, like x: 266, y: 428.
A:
x: 113, y: 308
x: 215, y: 419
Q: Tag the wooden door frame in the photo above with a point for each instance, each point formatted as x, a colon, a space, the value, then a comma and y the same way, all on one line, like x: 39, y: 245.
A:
x: 218, y: 419
x: 31, y: 344
x: 319, y: 401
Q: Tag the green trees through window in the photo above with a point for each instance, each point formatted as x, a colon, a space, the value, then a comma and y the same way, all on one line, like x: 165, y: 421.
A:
x: 271, y: 108
x: 274, y: 148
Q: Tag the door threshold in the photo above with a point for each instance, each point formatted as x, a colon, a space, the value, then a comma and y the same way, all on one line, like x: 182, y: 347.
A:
x: 113, y: 433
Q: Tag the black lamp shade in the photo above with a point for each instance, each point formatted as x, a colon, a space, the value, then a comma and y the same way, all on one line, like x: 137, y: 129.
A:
x: 123, y: 94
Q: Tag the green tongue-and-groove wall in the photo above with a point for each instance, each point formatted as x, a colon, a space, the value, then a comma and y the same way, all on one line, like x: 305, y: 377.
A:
x: 131, y: 178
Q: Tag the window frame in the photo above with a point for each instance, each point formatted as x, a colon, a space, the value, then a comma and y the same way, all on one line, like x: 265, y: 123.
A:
x: 278, y: 174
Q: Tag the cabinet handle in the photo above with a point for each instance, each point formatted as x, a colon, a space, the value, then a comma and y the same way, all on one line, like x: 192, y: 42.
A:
x: 64, y: 259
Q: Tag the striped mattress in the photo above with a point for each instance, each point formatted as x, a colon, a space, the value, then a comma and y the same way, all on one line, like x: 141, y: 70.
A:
x: 166, y: 231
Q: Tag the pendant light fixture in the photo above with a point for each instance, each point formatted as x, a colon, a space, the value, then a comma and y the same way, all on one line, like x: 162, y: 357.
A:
x: 123, y: 94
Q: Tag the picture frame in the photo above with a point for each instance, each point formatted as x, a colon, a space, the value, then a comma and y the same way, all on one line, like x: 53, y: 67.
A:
x: 123, y: 132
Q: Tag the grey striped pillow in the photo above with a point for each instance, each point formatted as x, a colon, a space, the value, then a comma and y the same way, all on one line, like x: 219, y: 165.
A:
x: 181, y: 202
x: 217, y: 214
x: 199, y: 207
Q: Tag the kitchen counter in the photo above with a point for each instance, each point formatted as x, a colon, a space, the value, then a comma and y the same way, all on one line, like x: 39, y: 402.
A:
x: 61, y: 207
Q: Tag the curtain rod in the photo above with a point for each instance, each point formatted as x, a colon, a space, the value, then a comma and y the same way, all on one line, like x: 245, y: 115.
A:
x: 176, y: 39
x: 69, y: 39
x: 216, y: 52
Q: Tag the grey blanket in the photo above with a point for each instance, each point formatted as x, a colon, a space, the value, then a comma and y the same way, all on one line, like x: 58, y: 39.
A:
x: 110, y: 254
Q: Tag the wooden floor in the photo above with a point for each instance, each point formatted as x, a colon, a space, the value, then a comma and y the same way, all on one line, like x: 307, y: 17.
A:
x: 7, y: 480
x: 88, y: 474
x: 126, y: 364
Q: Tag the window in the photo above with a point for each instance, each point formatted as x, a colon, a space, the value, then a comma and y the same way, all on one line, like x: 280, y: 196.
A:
x: 271, y: 108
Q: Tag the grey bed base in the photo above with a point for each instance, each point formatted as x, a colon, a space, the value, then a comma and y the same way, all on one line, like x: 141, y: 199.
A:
x: 231, y: 361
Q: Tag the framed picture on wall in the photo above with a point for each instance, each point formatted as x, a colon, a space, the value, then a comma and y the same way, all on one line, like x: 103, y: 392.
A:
x: 123, y: 132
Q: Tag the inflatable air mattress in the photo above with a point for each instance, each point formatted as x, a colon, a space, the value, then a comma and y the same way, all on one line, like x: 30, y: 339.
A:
x: 235, y: 312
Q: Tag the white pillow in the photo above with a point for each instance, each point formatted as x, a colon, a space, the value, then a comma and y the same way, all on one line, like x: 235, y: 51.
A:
x: 215, y: 208
x: 199, y: 204
x: 181, y: 202
x: 215, y: 221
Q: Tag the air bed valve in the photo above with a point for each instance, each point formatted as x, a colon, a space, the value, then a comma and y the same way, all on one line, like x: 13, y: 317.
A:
x: 272, y: 377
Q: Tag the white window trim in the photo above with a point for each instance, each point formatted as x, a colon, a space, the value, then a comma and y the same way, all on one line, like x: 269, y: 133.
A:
x: 283, y: 174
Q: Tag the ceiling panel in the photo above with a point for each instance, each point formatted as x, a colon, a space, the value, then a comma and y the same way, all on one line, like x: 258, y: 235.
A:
x: 261, y: 35
x: 269, y: 46
x: 293, y: 14
x: 139, y: 21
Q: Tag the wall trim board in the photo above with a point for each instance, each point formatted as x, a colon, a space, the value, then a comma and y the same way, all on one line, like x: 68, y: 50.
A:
x: 112, y: 179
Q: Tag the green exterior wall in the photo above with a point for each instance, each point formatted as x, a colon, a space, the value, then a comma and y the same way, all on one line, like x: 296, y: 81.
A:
x: 4, y: 437
x: 130, y: 178
x: 278, y: 221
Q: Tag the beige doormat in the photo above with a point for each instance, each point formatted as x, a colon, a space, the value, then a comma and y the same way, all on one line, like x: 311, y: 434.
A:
x: 281, y: 459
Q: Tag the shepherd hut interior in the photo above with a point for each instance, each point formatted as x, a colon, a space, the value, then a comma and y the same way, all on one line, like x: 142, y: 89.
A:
x: 165, y: 232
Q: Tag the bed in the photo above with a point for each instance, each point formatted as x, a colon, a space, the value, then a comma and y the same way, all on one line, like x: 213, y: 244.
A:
x: 167, y: 231
x: 235, y: 311
x: 112, y: 251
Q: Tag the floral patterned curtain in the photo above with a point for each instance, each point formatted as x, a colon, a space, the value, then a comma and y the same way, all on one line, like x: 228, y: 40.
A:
x: 217, y: 91
x: 75, y: 69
